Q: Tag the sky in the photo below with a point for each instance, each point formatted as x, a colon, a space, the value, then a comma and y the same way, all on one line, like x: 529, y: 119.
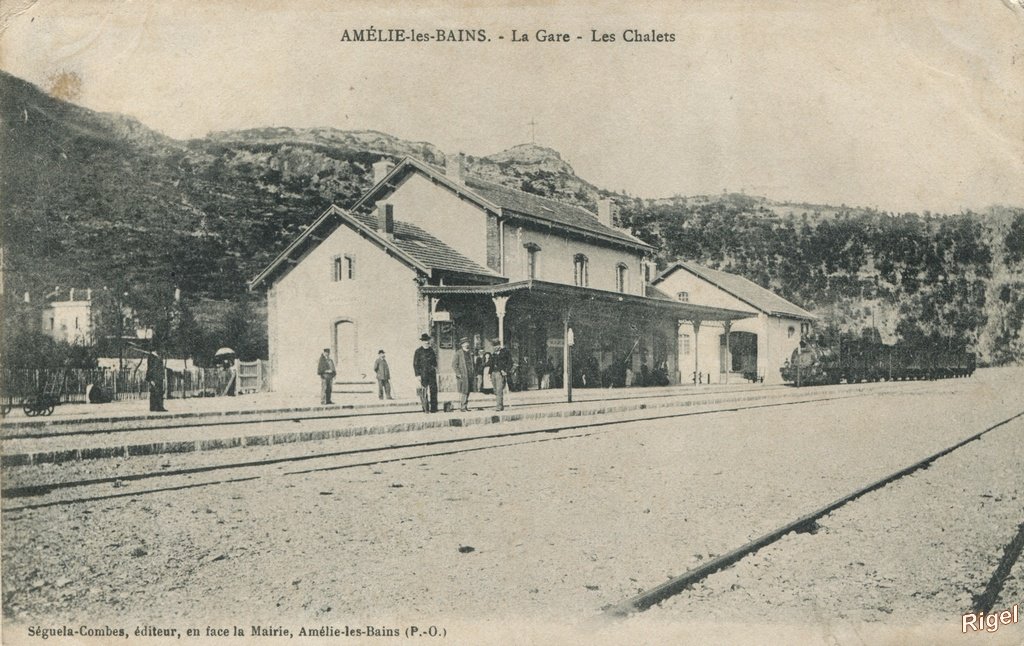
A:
x: 903, y: 106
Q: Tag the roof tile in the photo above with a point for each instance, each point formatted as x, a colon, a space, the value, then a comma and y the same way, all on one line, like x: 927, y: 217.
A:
x: 745, y: 290
x: 543, y: 208
x: 427, y: 249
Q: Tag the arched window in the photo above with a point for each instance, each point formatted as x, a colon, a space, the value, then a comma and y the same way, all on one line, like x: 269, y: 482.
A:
x: 791, y: 331
x: 532, y: 253
x: 621, y: 277
x: 580, y: 270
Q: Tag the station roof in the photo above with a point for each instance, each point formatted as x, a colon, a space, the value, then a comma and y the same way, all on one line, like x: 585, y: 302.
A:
x: 507, y: 203
x: 570, y: 293
x: 747, y: 291
x: 410, y: 244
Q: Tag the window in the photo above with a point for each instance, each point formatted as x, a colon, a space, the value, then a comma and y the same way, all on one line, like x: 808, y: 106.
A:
x: 580, y: 277
x: 621, y: 277
x: 684, y: 297
x: 532, y: 250
x: 343, y: 267
x: 51, y: 322
x: 684, y: 343
x: 791, y: 331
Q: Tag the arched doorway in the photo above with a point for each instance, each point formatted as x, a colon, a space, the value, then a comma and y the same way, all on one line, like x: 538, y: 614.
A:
x: 345, y: 341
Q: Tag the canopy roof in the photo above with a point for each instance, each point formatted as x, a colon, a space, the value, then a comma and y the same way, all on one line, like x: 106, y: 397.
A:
x: 570, y: 294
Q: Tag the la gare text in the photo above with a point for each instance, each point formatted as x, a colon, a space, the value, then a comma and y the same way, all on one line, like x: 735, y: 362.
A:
x: 403, y: 35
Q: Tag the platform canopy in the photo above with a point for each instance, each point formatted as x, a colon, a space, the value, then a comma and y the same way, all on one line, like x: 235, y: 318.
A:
x: 572, y: 295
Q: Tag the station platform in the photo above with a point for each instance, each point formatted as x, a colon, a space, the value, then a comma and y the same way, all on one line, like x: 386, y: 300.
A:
x: 268, y: 420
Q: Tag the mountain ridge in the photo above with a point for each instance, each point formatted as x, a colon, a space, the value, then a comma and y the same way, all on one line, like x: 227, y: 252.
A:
x: 102, y: 199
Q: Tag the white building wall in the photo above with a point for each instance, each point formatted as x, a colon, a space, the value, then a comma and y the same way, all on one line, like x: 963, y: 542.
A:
x: 701, y: 291
x: 555, y: 260
x: 774, y: 343
x: 381, y: 301
x: 69, y: 321
x: 780, y: 344
x: 457, y: 222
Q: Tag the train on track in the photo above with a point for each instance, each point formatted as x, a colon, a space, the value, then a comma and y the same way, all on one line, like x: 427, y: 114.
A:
x: 852, y: 359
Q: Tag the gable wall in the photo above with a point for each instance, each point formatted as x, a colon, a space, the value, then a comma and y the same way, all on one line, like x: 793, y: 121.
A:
x: 305, y: 303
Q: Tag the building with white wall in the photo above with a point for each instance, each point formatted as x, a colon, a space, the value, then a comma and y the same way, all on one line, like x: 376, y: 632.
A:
x: 431, y: 250
x: 750, y: 348
x: 68, y: 316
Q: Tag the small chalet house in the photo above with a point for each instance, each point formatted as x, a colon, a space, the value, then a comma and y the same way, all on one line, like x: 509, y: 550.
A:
x: 425, y: 250
x: 752, y: 347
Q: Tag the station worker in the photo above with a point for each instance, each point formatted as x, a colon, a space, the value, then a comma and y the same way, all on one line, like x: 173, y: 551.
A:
x: 383, y: 372
x: 424, y: 364
x: 500, y: 365
x: 325, y: 368
x: 155, y: 375
x: 463, y: 367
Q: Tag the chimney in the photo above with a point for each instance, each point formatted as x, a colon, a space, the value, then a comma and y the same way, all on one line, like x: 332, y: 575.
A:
x: 380, y: 170
x: 604, y: 211
x: 455, y: 167
x: 71, y: 294
x: 28, y: 298
x: 88, y: 293
x: 386, y: 220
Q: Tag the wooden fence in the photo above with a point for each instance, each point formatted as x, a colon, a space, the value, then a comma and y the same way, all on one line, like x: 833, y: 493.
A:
x: 71, y: 385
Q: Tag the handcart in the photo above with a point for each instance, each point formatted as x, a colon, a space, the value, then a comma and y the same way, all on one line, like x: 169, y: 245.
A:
x: 44, y: 401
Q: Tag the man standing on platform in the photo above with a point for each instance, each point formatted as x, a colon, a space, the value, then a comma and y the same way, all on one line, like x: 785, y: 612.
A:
x: 462, y: 366
x: 501, y: 366
x: 155, y: 375
x: 424, y: 364
x: 325, y: 368
x: 383, y: 372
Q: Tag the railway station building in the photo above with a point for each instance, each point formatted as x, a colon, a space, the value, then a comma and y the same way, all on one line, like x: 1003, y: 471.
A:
x: 753, y: 348
x: 434, y: 250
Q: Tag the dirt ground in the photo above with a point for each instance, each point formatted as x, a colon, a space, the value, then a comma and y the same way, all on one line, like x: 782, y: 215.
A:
x: 543, y: 533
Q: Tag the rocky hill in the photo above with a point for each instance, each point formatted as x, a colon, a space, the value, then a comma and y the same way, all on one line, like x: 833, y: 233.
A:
x: 102, y: 200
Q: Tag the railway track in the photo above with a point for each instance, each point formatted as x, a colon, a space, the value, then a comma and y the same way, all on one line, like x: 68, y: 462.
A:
x: 541, y: 431
x: 16, y: 430
x: 807, y: 523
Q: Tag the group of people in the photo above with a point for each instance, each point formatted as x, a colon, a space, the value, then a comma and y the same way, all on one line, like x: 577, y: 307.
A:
x: 468, y: 371
x: 464, y: 365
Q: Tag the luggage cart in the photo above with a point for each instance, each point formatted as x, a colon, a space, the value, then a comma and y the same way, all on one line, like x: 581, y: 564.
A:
x: 44, y: 401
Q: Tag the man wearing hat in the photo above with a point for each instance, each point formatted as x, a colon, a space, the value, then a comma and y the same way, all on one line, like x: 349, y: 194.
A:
x: 155, y: 376
x: 462, y: 366
x: 424, y: 364
x: 500, y: 365
x: 383, y: 372
x: 325, y: 368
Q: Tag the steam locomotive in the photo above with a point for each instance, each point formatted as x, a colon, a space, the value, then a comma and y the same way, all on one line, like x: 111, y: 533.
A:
x: 852, y: 360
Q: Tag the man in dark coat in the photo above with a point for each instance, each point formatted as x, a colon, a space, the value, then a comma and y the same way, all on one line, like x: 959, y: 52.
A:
x: 501, y: 366
x: 325, y: 368
x: 462, y: 366
x: 424, y: 364
x: 155, y: 375
x: 383, y: 372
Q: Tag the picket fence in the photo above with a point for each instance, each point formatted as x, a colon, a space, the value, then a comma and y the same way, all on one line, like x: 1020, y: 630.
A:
x: 70, y: 385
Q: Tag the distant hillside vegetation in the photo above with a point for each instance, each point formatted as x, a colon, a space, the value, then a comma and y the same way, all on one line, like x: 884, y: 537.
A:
x: 101, y: 200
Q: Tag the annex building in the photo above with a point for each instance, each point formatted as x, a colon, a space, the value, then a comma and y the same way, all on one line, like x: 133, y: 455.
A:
x: 434, y: 250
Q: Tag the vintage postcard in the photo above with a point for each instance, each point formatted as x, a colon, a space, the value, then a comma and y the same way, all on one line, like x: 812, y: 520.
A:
x: 480, y: 322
